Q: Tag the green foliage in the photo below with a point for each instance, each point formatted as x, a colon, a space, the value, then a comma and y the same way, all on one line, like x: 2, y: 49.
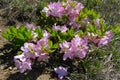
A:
x: 108, y: 9
x: 92, y: 14
x: 18, y: 36
x: 39, y: 32
x: 59, y: 37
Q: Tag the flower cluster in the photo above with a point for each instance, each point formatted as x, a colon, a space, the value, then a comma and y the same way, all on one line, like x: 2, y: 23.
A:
x: 104, y: 40
x: 76, y: 48
x: 54, y: 9
x: 61, y: 9
x: 31, y: 51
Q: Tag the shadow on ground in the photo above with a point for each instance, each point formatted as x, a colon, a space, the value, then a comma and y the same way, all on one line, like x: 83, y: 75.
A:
x: 32, y: 75
x: 6, y: 55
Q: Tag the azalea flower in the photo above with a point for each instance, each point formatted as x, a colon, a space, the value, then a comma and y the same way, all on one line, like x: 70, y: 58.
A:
x: 27, y: 47
x: 63, y: 28
x: 93, y: 37
x: 73, y: 12
x: 46, y: 34
x: 54, y: 9
x: 42, y: 56
x: 20, y: 57
x: 31, y: 26
x: 97, y: 23
x: 61, y: 71
x: 76, y: 48
x: 22, y: 63
x: 79, y: 46
x: 46, y: 10
x: 66, y: 48
x: 56, y: 28
x: 60, y: 28
x: 35, y: 35
x: 79, y: 7
x: 42, y: 47
x: 28, y: 50
x: 105, y: 39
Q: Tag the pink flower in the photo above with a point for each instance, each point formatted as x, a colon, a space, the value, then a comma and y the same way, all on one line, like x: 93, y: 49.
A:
x: 23, y: 66
x: 22, y: 63
x: 105, y: 39
x: 60, y: 28
x: 79, y: 46
x: 109, y: 34
x: 93, y: 37
x: 86, y: 21
x: 79, y: 7
x: 42, y: 43
x: 56, y: 28
x: 46, y: 10
x: 35, y: 35
x: 20, y: 57
x: 41, y: 51
x: 73, y: 12
x: 76, y: 48
x: 55, y: 9
x: 63, y: 28
x: 42, y: 47
x: 73, y: 9
x: 66, y: 48
x: 42, y: 56
x: 28, y: 50
x: 75, y: 24
x: 28, y: 47
x: 61, y: 71
x: 97, y: 23
x: 65, y: 45
x: 31, y: 26
x: 46, y: 35
x: 68, y: 8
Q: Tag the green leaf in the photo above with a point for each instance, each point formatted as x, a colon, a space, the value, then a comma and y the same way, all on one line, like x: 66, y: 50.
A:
x: 116, y: 56
x: 13, y: 30
x: 71, y: 32
x: 50, y: 43
x: 91, y: 28
x: 29, y: 35
x: 51, y: 51
x: 56, y: 45
x: 59, y: 38
x: 19, y: 52
x: 22, y: 29
x: 5, y: 35
x: 20, y: 36
x: 8, y: 31
x: 39, y: 32
x: 49, y: 29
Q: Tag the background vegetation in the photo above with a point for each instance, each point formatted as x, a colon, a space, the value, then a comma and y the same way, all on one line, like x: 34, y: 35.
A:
x: 28, y: 10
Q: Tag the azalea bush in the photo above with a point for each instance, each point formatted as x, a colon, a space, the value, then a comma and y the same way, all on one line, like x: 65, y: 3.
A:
x: 69, y: 38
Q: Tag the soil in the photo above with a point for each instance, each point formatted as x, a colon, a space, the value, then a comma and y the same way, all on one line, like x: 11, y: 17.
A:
x: 7, y: 68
